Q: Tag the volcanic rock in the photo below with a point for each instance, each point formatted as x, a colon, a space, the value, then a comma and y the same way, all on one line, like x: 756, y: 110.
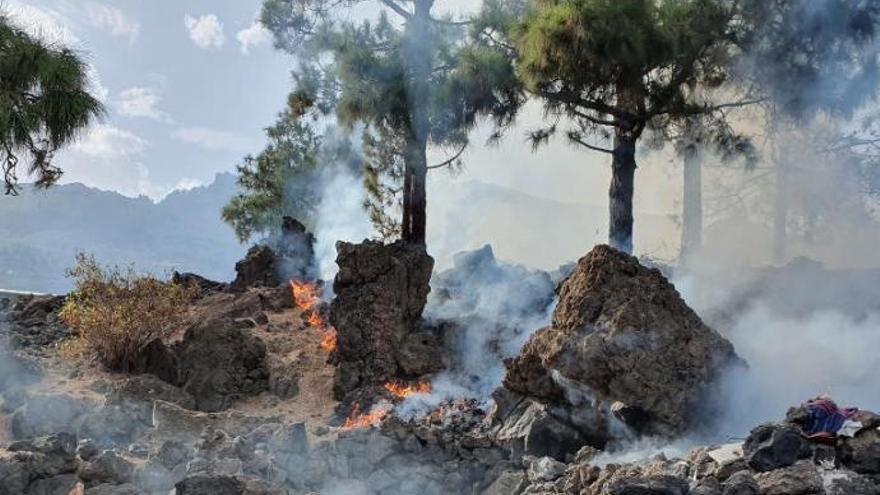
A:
x: 622, y: 333
x: 296, y: 251
x: 773, y: 446
x: 800, y: 479
x: 291, y: 256
x: 381, y: 291
x: 226, y: 485
x: 257, y: 269
x: 220, y: 364
x: 740, y: 483
x: 862, y: 452
x: 205, y: 286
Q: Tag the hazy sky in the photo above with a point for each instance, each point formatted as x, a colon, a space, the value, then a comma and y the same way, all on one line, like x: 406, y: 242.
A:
x: 190, y: 86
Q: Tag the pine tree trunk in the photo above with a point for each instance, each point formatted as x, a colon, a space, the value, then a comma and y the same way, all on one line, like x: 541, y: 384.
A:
x: 692, y: 211
x: 418, y: 60
x: 623, y: 170
x: 414, y: 226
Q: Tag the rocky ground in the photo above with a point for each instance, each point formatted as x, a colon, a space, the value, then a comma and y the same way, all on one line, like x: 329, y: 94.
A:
x: 244, y: 398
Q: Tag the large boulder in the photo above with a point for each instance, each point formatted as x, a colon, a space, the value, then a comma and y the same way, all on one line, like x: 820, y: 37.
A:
x: 291, y: 255
x: 623, y: 336
x: 381, y: 291
x: 802, y: 478
x: 862, y: 452
x: 221, y: 363
x: 773, y: 446
x: 257, y: 269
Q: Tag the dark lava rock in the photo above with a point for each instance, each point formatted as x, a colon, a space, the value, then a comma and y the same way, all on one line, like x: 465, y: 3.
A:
x: 740, y: 483
x: 655, y: 485
x: 622, y: 333
x: 220, y: 364
x: 33, y: 322
x: 107, y: 466
x: 802, y: 478
x: 206, y: 287
x: 381, y: 291
x: 226, y: 485
x: 257, y: 269
x: 296, y: 250
x: 773, y: 446
x: 862, y: 452
x: 528, y: 427
x: 158, y: 359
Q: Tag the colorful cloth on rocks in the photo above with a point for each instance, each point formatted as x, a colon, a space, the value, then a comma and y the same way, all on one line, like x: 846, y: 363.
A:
x: 825, y: 417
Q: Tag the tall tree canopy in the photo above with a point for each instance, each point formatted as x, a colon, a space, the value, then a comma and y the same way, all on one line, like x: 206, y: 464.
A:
x: 615, y: 68
x: 411, y: 78
x: 44, y: 103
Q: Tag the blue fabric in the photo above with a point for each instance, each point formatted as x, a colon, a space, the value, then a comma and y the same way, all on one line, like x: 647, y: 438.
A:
x: 825, y: 417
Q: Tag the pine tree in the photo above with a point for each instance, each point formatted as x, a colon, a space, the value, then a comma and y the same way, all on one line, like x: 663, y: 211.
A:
x: 616, y: 68
x: 413, y: 80
x: 44, y: 104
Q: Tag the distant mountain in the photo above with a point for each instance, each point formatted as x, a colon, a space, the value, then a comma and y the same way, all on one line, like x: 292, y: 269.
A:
x: 42, y: 231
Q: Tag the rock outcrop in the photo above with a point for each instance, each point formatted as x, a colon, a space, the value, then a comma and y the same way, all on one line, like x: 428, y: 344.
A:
x: 381, y: 291
x: 290, y: 256
x: 623, y: 338
x: 257, y: 269
x: 220, y: 363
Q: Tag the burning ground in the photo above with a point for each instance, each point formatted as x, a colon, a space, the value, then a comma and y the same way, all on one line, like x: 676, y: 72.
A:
x: 480, y: 379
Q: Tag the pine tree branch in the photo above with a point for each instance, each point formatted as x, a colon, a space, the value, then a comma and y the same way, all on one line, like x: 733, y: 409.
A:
x: 449, y: 161
x: 578, y: 140
x: 397, y: 8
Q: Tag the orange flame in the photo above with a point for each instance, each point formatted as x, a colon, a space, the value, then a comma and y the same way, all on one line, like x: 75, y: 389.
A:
x: 329, y: 342
x: 403, y: 391
x: 306, y: 297
x: 360, y: 420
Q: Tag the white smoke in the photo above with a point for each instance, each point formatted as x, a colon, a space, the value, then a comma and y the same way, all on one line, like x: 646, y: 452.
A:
x: 340, y: 217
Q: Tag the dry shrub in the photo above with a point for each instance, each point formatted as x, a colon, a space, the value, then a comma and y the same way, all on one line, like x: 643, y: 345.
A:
x: 117, y: 312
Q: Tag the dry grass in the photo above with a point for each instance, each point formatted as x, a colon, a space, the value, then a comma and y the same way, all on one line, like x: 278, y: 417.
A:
x: 117, y: 312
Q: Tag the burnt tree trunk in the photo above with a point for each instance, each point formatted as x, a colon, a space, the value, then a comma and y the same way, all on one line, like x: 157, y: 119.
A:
x: 692, y: 209
x: 418, y: 60
x: 623, y: 170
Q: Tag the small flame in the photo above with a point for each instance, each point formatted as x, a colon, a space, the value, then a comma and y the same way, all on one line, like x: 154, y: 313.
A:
x: 359, y: 420
x: 329, y: 342
x: 403, y: 391
x: 306, y: 295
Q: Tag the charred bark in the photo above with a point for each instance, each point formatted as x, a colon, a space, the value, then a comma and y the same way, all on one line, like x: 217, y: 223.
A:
x: 623, y: 169
x: 418, y: 60
x: 692, y: 210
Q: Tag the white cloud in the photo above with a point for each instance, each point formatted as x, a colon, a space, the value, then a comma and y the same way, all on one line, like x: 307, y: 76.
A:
x: 113, y: 20
x: 213, y: 140
x: 142, y: 102
x: 253, y: 36
x: 109, y: 158
x: 46, y: 24
x: 205, y: 31
x: 104, y: 141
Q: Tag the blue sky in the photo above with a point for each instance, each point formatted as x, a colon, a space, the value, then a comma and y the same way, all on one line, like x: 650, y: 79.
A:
x: 189, y: 87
